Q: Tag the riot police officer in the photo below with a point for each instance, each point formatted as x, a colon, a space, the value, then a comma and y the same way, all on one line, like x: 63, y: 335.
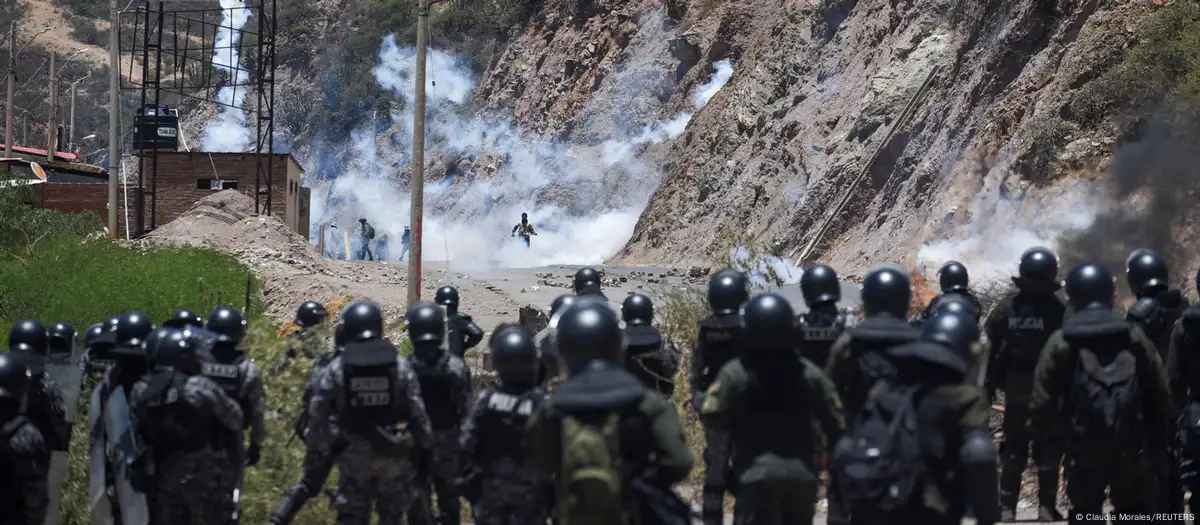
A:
x: 310, y: 314
x: 1148, y: 277
x: 930, y: 375
x: 859, y: 357
x: 463, y: 334
x: 822, y: 324
x: 25, y: 503
x: 717, y: 342
x: 186, y: 419
x: 1105, y: 376
x: 237, y: 375
x: 446, y: 390
x: 497, y: 478
x: 184, y: 318
x: 766, y: 398
x: 45, y: 408
x: 646, y: 355
x: 62, y: 340
x: 599, y: 389
x: 129, y: 356
x: 1018, y: 328
x: 376, y: 426
x: 587, y: 282
x: 98, y: 349
x: 954, y: 282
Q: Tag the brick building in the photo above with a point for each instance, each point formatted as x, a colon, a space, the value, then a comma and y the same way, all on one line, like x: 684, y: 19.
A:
x: 186, y: 177
x: 65, y: 186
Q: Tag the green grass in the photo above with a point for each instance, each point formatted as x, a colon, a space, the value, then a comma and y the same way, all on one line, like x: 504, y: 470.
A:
x: 60, y: 267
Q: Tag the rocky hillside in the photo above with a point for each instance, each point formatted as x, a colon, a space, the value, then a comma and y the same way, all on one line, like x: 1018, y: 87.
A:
x: 851, y: 131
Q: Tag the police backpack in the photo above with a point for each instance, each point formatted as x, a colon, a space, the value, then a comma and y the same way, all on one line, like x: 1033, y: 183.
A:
x: 1106, y: 395
x: 592, y: 479
x: 879, y: 465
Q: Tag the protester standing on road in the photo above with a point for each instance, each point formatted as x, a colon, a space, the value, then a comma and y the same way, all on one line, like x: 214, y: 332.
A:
x: 404, y: 240
x: 331, y: 250
x: 367, y: 233
x: 524, y: 229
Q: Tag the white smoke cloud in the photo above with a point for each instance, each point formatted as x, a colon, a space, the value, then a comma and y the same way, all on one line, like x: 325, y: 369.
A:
x: 1000, y: 229
x: 229, y: 132
x: 768, y: 269
x: 472, y: 225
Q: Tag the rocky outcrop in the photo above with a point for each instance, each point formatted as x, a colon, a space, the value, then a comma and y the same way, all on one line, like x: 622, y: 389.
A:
x: 815, y: 90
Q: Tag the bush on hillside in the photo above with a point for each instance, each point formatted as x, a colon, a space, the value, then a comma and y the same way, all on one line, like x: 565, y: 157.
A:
x: 1163, y: 67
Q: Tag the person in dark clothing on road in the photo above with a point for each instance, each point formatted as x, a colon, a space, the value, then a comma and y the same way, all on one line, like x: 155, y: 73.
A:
x: 366, y: 234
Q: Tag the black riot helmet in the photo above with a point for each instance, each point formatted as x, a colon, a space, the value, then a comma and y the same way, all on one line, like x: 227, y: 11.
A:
x: 109, y: 333
x: 514, y: 355
x: 132, y: 329
x: 15, y: 380
x: 637, y: 309
x: 1038, y: 264
x: 426, y: 324
x: 339, y: 336
x: 768, y: 323
x: 176, y: 349
x: 957, y: 332
x: 91, y: 337
x: 1090, y: 284
x: 447, y: 296
x: 727, y: 290
x: 585, y: 279
x: 183, y: 318
x: 819, y: 285
x: 151, y: 343
x: 311, y: 314
x: 886, y: 289
x: 953, y: 303
x: 228, y: 324
x: 62, y: 338
x: 953, y: 277
x: 363, y: 320
x: 29, y: 335
x: 561, y: 302
x: 589, y: 330
x: 1146, y: 272
x: 1147, y: 313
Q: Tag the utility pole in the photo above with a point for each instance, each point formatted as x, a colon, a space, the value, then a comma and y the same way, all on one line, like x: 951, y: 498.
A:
x: 417, y: 186
x: 53, y: 124
x: 114, y: 115
x: 71, y: 129
x: 12, y: 73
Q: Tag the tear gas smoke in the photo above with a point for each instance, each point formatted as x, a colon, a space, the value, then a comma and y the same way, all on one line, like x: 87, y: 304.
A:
x: 1151, y: 187
x: 1002, y: 227
x: 581, y: 216
x: 768, y: 270
x: 229, y: 132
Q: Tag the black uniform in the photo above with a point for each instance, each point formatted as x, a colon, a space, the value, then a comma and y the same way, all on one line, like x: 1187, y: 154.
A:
x: 497, y: 478
x: 1183, y: 376
x: 24, y: 457
x: 646, y: 355
x: 718, y: 342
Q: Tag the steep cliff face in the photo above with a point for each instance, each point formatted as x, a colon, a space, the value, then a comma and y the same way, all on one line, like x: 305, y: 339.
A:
x: 818, y: 85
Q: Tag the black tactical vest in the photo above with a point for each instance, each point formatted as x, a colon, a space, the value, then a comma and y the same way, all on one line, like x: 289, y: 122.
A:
x: 644, y: 356
x: 1190, y: 351
x: 227, y: 374
x: 454, y: 335
x: 370, y: 386
x: 38, y: 412
x: 12, y: 495
x: 777, y: 411
x: 869, y: 341
x: 173, y: 425
x: 1031, y: 321
x: 503, y: 423
x: 718, y: 342
x: 818, y: 331
x: 438, y: 392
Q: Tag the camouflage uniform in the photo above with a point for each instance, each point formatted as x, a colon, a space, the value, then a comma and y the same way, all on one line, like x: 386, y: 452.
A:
x: 369, y: 477
x: 186, y: 445
x: 317, y: 463
x: 26, y: 498
x: 240, y: 378
x: 716, y: 343
x: 48, y: 413
x: 493, y: 443
x: 446, y: 391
